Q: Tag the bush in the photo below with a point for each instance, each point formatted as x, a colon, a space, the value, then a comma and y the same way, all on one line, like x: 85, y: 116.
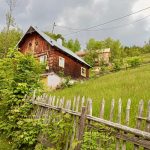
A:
x: 19, y: 76
x: 117, y: 64
x: 134, y: 61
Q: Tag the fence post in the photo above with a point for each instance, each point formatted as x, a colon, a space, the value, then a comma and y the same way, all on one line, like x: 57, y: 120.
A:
x: 102, y: 107
x: 127, y: 121
x: 112, y: 109
x: 81, y: 126
x: 148, y: 120
x: 139, y: 121
x: 119, y: 121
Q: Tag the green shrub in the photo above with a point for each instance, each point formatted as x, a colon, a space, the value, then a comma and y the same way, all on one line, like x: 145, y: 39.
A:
x: 134, y: 61
x: 117, y: 64
x: 19, y: 76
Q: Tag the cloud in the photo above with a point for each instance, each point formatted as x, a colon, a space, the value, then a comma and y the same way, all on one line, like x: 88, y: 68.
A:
x: 83, y: 14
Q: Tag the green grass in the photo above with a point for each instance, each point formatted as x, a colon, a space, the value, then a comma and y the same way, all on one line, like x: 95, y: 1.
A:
x: 133, y: 84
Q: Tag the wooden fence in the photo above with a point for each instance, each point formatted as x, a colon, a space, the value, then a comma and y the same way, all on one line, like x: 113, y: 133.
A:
x: 81, y: 110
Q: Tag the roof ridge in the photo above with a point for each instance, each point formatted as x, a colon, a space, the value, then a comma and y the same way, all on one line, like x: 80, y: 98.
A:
x: 54, y: 43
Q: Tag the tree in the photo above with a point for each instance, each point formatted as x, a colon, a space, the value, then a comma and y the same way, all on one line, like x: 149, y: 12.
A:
x: 19, y: 75
x: 10, y: 21
x: 73, y: 45
x: 13, y: 37
x: 132, y: 51
x: 93, y: 44
x: 77, y: 45
x: 70, y: 44
x: 6, y: 33
x: 146, y: 47
x: 115, y: 47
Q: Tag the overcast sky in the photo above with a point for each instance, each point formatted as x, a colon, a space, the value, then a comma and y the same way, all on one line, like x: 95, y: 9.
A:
x: 79, y: 14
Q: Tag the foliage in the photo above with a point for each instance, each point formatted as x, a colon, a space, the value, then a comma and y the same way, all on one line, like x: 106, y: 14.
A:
x: 95, y: 140
x: 114, y: 45
x: 70, y: 44
x: 90, y: 141
x: 59, y: 132
x: 19, y: 76
x: 146, y: 47
x: 90, y: 57
x: 117, y: 64
x: 77, y: 45
x: 73, y: 45
x: 4, y: 144
x: 65, y: 83
x: 134, y: 61
x: 132, y: 51
x: 93, y: 44
x: 8, y: 39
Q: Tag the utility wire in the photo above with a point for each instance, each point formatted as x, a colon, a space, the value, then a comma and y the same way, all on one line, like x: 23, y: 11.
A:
x: 113, y: 27
x: 120, y: 26
x: 68, y: 28
x: 107, y: 22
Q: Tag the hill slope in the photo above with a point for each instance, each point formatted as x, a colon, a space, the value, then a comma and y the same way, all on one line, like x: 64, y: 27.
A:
x: 133, y: 83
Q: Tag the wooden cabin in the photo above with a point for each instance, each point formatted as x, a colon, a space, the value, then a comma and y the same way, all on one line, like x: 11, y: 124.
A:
x: 58, y: 58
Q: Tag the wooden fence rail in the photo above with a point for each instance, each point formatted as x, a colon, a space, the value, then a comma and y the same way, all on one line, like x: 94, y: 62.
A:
x: 81, y: 111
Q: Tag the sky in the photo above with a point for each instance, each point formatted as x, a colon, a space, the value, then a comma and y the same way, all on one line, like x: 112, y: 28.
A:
x: 71, y: 15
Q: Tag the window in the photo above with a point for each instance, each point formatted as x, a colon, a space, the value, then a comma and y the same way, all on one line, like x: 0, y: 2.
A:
x: 61, y: 62
x: 83, y: 72
x: 43, y: 59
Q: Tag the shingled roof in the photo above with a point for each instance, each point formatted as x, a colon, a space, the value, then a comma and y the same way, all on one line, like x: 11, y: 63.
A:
x: 54, y: 43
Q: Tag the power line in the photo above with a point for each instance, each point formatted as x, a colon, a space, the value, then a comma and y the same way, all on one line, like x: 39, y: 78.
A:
x: 107, y: 22
x: 120, y: 26
x: 113, y: 27
x: 68, y: 28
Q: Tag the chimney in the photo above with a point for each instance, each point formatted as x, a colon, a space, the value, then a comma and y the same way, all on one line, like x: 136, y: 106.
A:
x: 59, y: 41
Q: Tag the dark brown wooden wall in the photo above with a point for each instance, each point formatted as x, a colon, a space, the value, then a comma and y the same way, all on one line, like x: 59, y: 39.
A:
x: 72, y: 66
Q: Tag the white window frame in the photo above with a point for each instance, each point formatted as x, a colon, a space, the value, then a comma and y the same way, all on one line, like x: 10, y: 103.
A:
x: 43, y: 59
x: 61, y: 62
x: 83, y: 73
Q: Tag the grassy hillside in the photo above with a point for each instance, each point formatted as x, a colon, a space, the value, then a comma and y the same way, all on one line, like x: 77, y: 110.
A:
x: 133, y: 84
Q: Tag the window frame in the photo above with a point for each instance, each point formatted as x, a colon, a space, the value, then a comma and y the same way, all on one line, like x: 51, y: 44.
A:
x: 43, y: 59
x: 83, y: 74
x: 61, y: 62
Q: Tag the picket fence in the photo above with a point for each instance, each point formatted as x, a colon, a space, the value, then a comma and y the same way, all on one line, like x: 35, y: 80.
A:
x: 81, y: 110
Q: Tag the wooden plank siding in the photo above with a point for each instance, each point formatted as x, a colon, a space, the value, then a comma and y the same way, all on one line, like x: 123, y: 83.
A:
x: 40, y: 47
